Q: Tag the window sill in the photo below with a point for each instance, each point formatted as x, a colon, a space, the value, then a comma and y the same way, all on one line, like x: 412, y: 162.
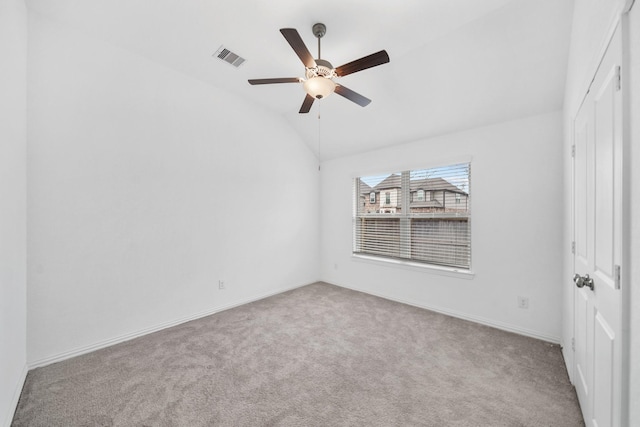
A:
x: 433, y: 269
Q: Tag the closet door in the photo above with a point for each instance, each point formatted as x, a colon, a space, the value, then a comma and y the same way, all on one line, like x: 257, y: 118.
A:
x: 598, y: 244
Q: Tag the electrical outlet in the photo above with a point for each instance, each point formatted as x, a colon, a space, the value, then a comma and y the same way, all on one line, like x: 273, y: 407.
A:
x: 523, y: 302
x: 221, y: 284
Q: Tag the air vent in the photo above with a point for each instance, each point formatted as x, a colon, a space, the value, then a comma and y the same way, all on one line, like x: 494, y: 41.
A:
x: 229, y: 57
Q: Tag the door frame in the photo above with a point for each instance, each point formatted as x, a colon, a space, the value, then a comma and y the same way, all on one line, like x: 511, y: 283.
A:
x: 622, y: 21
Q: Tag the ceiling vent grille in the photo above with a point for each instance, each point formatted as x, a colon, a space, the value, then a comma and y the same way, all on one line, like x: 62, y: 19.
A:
x: 229, y: 57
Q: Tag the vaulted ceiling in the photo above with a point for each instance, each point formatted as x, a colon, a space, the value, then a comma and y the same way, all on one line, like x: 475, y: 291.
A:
x: 455, y: 64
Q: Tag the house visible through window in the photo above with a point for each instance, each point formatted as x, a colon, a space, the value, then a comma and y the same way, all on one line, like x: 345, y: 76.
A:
x: 410, y: 227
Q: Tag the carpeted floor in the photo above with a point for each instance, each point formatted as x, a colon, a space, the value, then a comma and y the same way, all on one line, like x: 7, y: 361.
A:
x: 315, y: 356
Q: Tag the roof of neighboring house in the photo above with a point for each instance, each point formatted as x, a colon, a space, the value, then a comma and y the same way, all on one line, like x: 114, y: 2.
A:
x: 365, y: 188
x: 427, y: 184
x: 435, y: 184
x: 392, y: 181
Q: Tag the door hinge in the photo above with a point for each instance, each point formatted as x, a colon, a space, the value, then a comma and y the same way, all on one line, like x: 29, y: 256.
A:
x: 573, y: 247
x: 573, y: 344
x: 618, y: 78
x: 617, y: 273
x: 573, y: 150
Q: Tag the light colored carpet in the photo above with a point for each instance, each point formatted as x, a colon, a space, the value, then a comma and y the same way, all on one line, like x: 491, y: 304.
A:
x: 315, y: 356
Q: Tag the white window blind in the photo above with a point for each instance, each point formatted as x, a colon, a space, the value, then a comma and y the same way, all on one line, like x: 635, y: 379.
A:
x: 402, y: 223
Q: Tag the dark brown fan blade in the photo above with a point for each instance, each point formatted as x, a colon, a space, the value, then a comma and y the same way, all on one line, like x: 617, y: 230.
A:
x: 306, y: 104
x: 352, y: 96
x: 271, y: 81
x: 369, y: 61
x: 294, y: 39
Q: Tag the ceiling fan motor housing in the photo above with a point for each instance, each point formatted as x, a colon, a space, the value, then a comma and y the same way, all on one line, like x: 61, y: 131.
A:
x: 322, y: 69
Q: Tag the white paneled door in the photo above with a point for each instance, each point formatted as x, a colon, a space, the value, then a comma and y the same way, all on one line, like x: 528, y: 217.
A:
x: 598, y: 243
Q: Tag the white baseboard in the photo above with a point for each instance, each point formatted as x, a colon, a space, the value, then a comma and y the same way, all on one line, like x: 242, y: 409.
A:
x: 16, y: 396
x: 464, y: 316
x: 126, y: 337
x: 567, y: 356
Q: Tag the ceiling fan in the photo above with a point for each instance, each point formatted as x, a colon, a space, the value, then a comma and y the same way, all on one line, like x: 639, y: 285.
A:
x: 320, y: 74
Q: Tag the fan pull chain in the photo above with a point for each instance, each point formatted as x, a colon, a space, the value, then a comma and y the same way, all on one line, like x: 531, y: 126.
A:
x: 319, y: 158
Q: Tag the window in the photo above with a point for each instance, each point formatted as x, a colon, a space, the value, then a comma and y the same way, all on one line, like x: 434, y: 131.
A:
x: 434, y: 231
x: 372, y: 197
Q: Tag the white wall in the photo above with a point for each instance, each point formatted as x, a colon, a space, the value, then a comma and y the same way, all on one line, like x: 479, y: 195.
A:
x: 516, y: 246
x: 145, y: 187
x: 13, y: 143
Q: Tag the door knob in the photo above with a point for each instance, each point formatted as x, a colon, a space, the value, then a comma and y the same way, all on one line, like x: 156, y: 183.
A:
x: 588, y: 281
x: 581, y: 282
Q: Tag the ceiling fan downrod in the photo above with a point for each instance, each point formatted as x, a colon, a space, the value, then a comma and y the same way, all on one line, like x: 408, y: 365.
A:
x: 319, y: 30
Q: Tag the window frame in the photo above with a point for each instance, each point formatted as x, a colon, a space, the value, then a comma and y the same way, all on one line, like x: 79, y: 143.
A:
x: 405, y: 193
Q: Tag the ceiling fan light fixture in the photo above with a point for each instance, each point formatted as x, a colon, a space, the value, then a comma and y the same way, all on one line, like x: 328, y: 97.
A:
x: 319, y: 87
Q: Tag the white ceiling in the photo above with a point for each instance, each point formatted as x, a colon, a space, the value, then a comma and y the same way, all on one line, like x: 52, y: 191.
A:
x: 455, y: 64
